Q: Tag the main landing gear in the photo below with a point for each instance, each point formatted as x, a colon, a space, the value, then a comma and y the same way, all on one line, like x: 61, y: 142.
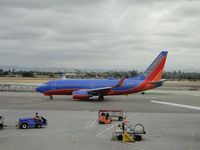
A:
x: 51, y: 97
x: 100, y: 98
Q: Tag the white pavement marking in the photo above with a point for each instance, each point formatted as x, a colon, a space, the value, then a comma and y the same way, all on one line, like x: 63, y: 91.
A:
x: 91, y: 125
x: 177, y: 105
x: 101, y: 133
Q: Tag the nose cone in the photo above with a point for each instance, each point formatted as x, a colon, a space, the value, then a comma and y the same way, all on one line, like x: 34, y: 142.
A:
x: 39, y: 89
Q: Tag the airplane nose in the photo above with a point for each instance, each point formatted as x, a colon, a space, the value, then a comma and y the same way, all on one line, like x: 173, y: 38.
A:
x: 38, y: 89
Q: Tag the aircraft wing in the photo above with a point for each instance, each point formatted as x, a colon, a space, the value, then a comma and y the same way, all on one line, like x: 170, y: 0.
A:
x: 99, y: 90
x: 103, y: 89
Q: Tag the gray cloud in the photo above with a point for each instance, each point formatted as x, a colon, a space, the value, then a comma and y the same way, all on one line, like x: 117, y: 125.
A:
x: 99, y: 34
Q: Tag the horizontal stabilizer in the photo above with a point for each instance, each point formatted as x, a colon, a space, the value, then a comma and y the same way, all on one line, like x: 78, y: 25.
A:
x: 157, y: 82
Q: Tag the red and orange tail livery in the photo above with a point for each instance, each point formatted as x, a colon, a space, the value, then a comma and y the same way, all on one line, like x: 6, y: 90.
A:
x: 155, y: 70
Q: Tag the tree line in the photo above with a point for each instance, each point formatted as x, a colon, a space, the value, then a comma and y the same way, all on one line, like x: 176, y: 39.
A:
x: 172, y: 75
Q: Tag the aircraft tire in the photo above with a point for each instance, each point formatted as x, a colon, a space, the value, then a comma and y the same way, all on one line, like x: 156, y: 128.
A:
x: 1, y: 126
x: 101, y: 98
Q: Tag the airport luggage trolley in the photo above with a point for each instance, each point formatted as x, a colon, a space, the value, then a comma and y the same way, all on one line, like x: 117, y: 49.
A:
x: 126, y: 133
x: 111, y: 114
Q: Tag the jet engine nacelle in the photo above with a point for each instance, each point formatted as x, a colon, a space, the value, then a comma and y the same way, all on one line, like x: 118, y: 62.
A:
x: 80, y: 95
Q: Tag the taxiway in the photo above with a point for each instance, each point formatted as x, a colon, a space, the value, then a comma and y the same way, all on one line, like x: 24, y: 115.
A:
x: 72, y: 125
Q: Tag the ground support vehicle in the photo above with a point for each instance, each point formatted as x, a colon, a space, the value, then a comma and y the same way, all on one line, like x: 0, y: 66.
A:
x: 107, y: 116
x: 124, y: 132
x: 104, y: 119
x: 31, y: 122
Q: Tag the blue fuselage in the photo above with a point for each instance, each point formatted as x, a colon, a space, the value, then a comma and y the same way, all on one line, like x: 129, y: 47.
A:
x: 70, y: 85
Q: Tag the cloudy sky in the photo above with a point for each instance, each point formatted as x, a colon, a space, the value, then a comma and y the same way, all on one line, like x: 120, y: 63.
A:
x: 99, y: 34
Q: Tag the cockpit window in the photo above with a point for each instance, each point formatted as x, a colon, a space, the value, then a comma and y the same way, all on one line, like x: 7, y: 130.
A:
x: 43, y: 85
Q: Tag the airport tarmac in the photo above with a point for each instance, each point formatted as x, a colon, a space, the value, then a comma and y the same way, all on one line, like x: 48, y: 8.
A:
x: 130, y: 103
x: 72, y: 125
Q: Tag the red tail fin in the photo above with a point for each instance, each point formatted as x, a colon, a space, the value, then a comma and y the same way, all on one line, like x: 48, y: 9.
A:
x: 155, y: 70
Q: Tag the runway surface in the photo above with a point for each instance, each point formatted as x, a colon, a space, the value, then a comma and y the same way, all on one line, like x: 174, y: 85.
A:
x: 72, y: 123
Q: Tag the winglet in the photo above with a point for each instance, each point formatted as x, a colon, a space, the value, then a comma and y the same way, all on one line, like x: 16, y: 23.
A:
x: 121, y: 81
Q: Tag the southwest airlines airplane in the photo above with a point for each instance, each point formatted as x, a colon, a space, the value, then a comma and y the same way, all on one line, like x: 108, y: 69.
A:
x: 86, y: 88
